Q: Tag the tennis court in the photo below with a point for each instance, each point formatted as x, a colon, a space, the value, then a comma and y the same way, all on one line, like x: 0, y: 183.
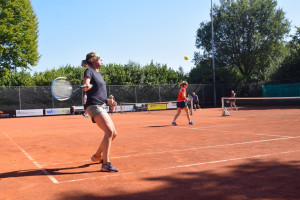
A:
x: 252, y: 154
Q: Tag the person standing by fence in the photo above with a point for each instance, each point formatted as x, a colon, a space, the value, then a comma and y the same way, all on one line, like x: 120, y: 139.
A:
x: 195, y: 101
x: 112, y: 107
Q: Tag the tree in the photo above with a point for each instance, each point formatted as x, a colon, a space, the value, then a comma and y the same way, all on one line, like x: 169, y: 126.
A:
x: 290, y: 67
x: 74, y: 74
x: 134, y: 74
x: 22, y: 78
x: 248, y: 35
x: 115, y: 74
x: 18, y: 35
x: 202, y: 74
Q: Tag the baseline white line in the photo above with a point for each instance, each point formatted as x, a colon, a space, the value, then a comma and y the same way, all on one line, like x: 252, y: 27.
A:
x: 182, y: 166
x: 245, y: 133
x: 239, y: 124
x: 188, y: 149
x: 31, y: 159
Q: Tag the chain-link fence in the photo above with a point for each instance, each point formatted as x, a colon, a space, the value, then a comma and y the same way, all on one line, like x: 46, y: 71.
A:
x: 39, y: 97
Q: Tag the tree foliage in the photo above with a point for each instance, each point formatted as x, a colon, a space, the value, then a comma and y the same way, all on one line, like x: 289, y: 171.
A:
x: 22, y: 78
x: 203, y: 74
x: 18, y: 35
x: 113, y: 74
x: 248, y: 35
x: 290, y: 67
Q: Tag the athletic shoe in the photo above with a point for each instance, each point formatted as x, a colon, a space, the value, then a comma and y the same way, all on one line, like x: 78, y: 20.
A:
x: 236, y: 108
x: 108, y: 167
x: 191, y: 123
x: 97, y: 159
x: 174, y: 124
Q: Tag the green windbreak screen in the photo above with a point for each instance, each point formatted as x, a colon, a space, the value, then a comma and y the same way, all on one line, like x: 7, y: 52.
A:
x: 281, y: 90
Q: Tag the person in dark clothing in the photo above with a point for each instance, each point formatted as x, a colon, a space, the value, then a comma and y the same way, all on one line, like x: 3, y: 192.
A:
x: 95, y: 107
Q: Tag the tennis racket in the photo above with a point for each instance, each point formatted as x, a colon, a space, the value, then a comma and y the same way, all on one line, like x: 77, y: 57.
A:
x: 62, y: 89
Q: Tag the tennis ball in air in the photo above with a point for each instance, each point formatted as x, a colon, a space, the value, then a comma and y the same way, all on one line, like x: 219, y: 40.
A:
x: 186, y: 57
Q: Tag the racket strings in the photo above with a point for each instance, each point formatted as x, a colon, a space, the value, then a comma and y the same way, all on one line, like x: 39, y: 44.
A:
x: 62, y: 89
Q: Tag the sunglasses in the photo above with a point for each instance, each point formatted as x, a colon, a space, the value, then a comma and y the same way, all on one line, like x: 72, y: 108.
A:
x: 95, y: 57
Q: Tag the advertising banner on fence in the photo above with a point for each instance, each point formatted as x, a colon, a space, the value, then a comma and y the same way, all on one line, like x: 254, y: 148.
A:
x: 58, y: 111
x: 29, y: 112
x: 171, y: 105
x: 7, y: 113
x: 157, y: 106
x: 129, y: 108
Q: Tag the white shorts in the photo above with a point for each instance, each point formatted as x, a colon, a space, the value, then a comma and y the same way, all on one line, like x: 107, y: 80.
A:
x: 94, y: 110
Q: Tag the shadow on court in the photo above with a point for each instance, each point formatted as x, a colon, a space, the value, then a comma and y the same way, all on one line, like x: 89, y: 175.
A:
x: 161, y: 126
x: 52, y: 171
x: 253, y: 180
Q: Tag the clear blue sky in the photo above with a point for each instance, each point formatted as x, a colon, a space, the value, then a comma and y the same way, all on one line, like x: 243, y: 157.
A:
x: 121, y: 30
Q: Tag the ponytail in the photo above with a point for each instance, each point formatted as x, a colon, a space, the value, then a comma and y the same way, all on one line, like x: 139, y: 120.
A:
x: 86, y: 63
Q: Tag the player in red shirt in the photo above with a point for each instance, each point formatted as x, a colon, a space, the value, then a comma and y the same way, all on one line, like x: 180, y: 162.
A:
x: 181, y: 103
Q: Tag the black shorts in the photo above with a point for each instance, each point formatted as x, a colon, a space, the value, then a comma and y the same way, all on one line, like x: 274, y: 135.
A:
x: 181, y: 104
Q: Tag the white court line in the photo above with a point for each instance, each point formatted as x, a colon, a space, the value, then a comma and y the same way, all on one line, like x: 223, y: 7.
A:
x: 238, y: 124
x: 285, y: 136
x: 207, y: 127
x: 226, y: 125
x: 31, y: 159
x: 188, y: 149
x: 182, y: 166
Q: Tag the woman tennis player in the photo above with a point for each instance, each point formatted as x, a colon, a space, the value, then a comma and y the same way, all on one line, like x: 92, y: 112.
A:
x: 181, y: 103
x: 95, y: 107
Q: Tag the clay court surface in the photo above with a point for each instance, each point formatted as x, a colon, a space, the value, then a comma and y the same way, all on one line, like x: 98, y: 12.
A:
x: 252, y: 154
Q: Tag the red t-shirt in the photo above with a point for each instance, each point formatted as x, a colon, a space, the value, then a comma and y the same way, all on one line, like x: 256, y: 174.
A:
x: 180, y: 93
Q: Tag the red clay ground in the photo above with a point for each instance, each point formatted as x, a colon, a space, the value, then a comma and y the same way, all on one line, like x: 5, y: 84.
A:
x: 253, y: 154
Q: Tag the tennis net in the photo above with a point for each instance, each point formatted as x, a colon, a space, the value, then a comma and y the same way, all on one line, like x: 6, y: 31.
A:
x: 258, y: 103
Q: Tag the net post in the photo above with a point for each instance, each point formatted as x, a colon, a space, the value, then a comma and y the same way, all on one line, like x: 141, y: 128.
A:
x: 224, y: 110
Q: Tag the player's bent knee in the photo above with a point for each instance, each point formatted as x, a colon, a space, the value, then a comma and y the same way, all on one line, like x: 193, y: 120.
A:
x: 111, y: 133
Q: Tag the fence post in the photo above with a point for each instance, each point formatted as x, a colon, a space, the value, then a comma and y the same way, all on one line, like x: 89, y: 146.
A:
x: 203, y: 95
x: 159, y: 93
x: 20, y: 104
x: 135, y: 93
